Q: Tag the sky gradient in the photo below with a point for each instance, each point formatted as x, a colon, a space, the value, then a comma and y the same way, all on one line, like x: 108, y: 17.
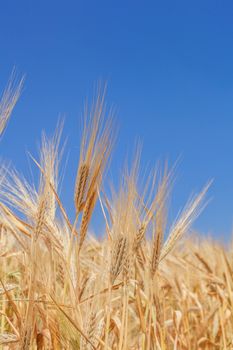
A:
x: 169, y: 68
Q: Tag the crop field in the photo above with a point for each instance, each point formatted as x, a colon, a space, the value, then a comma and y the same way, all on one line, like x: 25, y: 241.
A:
x: 144, y: 284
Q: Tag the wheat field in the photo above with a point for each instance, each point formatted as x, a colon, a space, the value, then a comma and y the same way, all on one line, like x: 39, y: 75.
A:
x: 144, y: 284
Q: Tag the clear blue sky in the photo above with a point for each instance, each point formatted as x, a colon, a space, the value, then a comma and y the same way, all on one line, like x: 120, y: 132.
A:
x: 169, y: 67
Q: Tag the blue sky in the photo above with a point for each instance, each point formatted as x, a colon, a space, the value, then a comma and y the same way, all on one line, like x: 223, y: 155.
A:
x: 169, y: 67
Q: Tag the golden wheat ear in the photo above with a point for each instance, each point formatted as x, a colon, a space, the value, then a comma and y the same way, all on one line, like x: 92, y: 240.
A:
x: 160, y: 218
x: 183, y: 223
x: 95, y: 149
x: 50, y: 157
x: 9, y: 99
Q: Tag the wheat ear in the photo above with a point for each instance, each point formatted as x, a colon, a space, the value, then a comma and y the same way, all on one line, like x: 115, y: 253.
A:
x: 80, y: 186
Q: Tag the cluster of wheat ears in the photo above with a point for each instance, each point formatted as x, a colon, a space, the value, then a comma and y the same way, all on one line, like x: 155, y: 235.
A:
x: 130, y: 289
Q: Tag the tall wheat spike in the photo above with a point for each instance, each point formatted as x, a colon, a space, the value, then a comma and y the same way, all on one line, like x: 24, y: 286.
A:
x: 95, y: 148
x: 9, y: 99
